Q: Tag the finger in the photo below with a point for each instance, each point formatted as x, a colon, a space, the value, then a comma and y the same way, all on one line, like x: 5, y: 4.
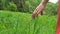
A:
x: 41, y: 12
x: 33, y: 16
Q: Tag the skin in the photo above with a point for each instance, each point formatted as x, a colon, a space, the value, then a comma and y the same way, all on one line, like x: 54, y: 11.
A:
x: 58, y: 20
x: 39, y: 8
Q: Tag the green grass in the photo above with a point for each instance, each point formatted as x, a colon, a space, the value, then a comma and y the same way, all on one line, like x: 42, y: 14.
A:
x: 22, y: 23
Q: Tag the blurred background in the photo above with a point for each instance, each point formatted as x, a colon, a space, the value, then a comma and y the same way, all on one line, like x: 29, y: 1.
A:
x: 16, y: 17
x: 27, y: 6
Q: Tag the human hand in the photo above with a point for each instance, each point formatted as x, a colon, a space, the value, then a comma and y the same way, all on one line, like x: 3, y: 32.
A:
x: 38, y: 10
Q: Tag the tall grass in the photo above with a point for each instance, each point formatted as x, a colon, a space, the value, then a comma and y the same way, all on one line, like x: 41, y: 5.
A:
x: 22, y: 23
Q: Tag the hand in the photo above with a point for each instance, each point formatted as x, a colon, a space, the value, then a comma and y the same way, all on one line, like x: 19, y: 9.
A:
x: 37, y: 11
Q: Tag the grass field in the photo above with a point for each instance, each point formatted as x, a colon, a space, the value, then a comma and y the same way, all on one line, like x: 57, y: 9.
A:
x: 22, y: 23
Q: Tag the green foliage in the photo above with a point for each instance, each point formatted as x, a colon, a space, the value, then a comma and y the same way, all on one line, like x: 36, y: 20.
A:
x: 22, y: 23
x: 51, y: 9
x: 32, y: 4
x: 2, y: 4
x: 11, y: 6
x: 27, y: 6
x: 20, y: 5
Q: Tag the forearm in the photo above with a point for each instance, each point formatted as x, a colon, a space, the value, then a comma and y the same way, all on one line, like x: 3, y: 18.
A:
x: 42, y: 6
x: 44, y: 2
x: 39, y: 8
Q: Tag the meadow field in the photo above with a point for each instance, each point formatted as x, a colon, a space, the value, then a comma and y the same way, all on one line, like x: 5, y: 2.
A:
x: 22, y: 23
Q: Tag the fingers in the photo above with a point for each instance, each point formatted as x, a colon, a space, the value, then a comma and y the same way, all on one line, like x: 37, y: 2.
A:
x: 37, y: 11
x: 41, y: 13
x: 34, y: 15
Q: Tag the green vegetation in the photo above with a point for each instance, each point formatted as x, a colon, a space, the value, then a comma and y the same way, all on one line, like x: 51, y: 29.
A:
x: 16, y: 18
x: 22, y: 23
x: 27, y: 6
